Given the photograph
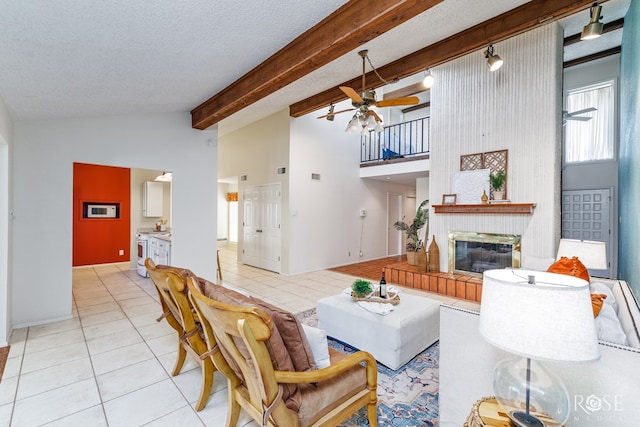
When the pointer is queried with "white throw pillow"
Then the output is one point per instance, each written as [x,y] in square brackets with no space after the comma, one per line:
[602,288]
[318,342]
[609,327]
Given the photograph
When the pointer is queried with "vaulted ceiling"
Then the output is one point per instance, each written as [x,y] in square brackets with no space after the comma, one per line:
[68,59]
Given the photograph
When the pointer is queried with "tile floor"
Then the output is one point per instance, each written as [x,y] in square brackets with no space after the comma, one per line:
[110,364]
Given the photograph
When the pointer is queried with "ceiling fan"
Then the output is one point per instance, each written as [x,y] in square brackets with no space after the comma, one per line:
[576,115]
[362,101]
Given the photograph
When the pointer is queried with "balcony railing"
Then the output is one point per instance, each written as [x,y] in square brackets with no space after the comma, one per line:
[396,141]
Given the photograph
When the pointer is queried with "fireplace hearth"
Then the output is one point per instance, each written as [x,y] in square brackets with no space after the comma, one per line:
[472,253]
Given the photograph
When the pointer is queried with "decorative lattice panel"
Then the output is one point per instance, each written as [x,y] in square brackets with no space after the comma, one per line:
[471,162]
[495,161]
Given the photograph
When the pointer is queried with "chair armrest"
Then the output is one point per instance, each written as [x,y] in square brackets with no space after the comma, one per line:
[344,365]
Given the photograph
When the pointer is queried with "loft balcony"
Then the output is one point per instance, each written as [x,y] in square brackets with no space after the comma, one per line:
[407,140]
[400,152]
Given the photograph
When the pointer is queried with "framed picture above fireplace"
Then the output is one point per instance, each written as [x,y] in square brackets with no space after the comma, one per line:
[472,253]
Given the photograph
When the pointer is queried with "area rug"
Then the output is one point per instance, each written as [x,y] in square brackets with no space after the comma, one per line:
[407,397]
[4,353]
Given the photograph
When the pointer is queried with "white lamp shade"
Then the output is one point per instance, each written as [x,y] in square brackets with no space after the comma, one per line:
[550,320]
[590,253]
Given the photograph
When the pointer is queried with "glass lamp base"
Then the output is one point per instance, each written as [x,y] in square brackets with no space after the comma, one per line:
[522,419]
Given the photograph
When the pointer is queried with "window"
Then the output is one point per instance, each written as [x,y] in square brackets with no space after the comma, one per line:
[593,139]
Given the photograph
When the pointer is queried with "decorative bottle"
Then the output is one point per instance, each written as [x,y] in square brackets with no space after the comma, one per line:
[434,256]
[383,286]
[422,259]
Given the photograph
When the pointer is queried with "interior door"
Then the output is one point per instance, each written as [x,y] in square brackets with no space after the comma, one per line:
[586,215]
[250,227]
[270,227]
[394,214]
[262,219]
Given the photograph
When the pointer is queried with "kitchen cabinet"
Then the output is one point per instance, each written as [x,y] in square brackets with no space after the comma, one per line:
[152,202]
[160,251]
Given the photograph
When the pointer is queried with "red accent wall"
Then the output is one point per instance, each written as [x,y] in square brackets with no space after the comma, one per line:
[99,240]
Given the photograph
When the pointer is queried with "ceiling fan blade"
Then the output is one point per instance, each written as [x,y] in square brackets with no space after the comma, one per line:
[355,97]
[578,118]
[586,110]
[336,112]
[409,100]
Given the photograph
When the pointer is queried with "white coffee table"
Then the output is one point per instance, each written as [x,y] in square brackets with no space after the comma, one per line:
[394,339]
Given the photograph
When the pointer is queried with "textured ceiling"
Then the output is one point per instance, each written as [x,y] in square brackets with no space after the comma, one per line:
[72,58]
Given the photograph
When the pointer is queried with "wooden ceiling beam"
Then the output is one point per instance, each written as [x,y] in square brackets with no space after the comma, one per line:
[350,26]
[405,91]
[598,55]
[516,21]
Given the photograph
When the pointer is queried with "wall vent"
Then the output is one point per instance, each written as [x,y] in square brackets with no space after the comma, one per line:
[315,176]
[243,178]
[281,171]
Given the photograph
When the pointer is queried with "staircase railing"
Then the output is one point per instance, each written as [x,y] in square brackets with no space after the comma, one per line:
[396,141]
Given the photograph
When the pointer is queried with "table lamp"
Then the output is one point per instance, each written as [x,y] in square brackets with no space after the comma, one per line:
[538,316]
[590,253]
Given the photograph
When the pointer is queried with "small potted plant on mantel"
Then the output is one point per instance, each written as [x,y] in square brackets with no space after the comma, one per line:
[413,237]
[497,181]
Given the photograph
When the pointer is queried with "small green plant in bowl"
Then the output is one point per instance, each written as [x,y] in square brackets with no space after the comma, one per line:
[361,288]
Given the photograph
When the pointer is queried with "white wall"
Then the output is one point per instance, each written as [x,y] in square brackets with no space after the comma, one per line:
[326,229]
[257,151]
[6,144]
[44,152]
[223,211]
[518,108]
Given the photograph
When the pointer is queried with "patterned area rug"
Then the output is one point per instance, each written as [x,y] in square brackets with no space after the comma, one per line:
[407,397]
[4,353]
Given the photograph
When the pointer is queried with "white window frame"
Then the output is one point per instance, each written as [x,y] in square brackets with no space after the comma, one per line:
[614,132]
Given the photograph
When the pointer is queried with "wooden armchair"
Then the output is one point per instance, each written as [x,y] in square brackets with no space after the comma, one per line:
[171,284]
[247,337]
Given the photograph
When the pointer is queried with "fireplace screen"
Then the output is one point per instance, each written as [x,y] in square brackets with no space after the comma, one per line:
[473,253]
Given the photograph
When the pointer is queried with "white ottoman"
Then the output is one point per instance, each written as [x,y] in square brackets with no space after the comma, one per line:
[394,339]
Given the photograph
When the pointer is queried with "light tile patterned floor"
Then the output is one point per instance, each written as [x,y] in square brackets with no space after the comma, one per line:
[110,364]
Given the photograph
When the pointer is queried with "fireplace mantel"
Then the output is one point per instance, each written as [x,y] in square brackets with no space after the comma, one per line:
[491,208]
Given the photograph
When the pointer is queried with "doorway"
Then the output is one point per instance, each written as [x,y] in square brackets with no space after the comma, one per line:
[586,215]
[394,214]
[261,233]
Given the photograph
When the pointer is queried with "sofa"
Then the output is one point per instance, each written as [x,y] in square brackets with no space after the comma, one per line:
[602,393]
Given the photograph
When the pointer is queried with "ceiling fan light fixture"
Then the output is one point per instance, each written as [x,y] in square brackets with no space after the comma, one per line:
[594,28]
[353,125]
[494,62]
[428,79]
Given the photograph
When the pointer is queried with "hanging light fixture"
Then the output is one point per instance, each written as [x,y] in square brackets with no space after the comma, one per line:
[494,61]
[594,28]
[428,80]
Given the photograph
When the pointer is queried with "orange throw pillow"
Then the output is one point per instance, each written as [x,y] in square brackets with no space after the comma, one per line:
[570,267]
[596,302]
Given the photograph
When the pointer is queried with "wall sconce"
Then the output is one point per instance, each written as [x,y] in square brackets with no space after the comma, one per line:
[165,177]
[594,28]
[428,80]
[494,61]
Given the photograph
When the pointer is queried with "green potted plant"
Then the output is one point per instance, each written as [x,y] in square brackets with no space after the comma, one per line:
[412,231]
[497,181]
[361,288]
